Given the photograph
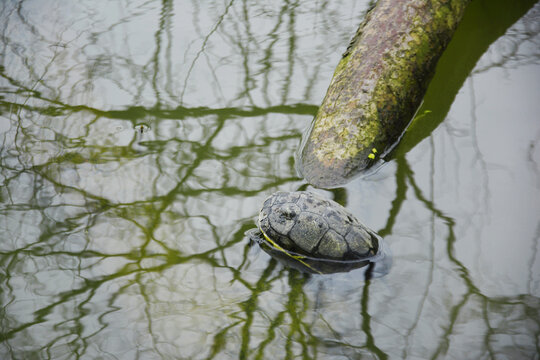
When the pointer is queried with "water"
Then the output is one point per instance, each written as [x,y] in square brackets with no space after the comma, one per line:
[138,140]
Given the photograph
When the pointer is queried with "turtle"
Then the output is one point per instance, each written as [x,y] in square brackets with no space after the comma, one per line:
[314,234]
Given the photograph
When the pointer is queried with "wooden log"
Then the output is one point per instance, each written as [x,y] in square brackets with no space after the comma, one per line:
[377,87]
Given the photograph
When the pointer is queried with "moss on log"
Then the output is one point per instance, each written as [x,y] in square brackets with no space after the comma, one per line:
[377,87]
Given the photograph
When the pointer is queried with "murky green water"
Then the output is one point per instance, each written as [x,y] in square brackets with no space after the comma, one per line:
[139,139]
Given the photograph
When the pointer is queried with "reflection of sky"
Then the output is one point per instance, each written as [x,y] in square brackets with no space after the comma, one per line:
[508,133]
[125,240]
[203,54]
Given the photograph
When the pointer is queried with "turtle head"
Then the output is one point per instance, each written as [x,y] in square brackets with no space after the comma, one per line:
[254,235]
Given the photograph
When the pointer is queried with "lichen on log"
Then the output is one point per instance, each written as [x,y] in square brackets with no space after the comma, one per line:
[377,87]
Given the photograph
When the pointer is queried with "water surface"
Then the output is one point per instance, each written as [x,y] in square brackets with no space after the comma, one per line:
[138,140]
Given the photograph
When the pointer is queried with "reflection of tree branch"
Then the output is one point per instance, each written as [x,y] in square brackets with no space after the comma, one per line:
[250,306]
[147,312]
[445,338]
[180,161]
[136,113]
[173,257]
[268,53]
[472,290]
[490,331]
[432,252]
[534,255]
[296,308]
[220,340]
[366,321]
[444,343]
[164,23]
[291,50]
[402,171]
[476,32]
[245,51]
[509,51]
[203,46]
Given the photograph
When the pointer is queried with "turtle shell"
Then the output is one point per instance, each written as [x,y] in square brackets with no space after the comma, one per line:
[306,224]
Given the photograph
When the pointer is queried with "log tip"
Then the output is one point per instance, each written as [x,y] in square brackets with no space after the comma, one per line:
[333,172]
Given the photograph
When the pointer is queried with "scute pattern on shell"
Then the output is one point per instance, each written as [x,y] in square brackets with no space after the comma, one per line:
[305,223]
